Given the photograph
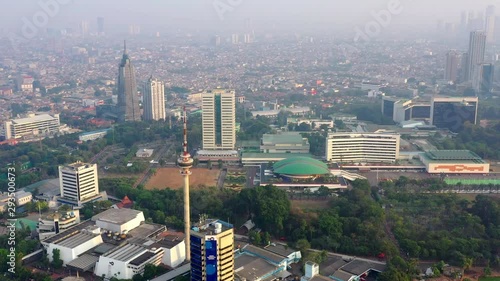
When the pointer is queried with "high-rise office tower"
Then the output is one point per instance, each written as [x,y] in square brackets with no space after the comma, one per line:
[78,182]
[453,112]
[128,102]
[212,251]
[154,100]
[100,25]
[451,69]
[219,119]
[477,48]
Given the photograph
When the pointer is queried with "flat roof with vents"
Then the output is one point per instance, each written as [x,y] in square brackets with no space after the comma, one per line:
[453,155]
[116,216]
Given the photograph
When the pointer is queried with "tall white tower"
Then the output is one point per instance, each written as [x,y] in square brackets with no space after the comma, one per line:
[219,119]
[185,162]
[154,100]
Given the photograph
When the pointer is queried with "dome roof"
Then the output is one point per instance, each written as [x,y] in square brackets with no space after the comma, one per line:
[300,166]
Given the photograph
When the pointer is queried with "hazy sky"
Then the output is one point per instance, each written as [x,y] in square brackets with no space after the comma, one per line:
[202,14]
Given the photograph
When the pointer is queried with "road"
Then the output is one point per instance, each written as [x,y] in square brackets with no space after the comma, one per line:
[145,175]
[373,175]
[220,180]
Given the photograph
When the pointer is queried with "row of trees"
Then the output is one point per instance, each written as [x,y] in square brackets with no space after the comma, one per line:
[483,141]
[445,227]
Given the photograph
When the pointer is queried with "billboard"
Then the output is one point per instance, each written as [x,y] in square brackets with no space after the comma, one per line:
[211,258]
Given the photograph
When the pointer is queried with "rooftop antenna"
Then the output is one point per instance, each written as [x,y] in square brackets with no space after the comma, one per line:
[184,145]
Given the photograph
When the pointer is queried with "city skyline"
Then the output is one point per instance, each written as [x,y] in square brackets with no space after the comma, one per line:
[223,15]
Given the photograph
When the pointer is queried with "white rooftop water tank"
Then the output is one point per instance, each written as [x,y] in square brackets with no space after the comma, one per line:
[218,227]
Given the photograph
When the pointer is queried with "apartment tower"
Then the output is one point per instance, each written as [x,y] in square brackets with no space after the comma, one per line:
[154,100]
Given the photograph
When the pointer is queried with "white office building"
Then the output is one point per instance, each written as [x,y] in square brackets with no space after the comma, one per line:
[78,182]
[219,119]
[154,100]
[362,147]
[32,126]
[127,260]
[119,220]
[73,242]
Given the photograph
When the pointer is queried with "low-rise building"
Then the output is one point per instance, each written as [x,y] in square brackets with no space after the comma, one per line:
[119,220]
[144,153]
[54,223]
[174,249]
[454,162]
[284,143]
[22,197]
[32,126]
[94,135]
[73,242]
[128,259]
[362,147]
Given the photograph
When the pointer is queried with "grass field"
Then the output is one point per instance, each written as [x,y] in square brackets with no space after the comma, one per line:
[171,178]
[489,279]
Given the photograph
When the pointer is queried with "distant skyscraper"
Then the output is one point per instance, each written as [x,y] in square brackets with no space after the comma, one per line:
[247,38]
[154,100]
[464,19]
[128,103]
[476,22]
[100,25]
[235,39]
[477,48]
[84,28]
[219,119]
[490,24]
[490,10]
[451,69]
[134,29]
[217,40]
